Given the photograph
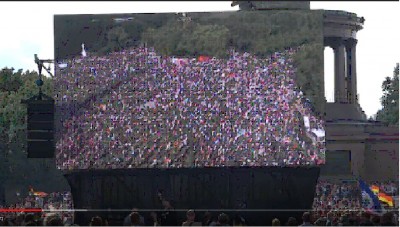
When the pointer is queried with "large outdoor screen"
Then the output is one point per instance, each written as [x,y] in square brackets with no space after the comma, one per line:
[172,90]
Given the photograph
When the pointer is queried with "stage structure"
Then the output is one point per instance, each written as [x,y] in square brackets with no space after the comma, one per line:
[259,194]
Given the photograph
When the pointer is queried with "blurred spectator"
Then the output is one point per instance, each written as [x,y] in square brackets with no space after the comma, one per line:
[387,220]
[190,219]
[306,219]
[276,222]
[168,216]
[365,219]
[291,222]
[223,220]
[208,219]
[135,219]
[127,219]
[96,221]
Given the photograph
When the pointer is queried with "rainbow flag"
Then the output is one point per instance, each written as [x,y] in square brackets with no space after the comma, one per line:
[370,201]
[40,194]
[385,198]
[375,189]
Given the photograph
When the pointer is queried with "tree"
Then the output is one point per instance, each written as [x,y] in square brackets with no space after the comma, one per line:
[390,99]
[117,39]
[10,81]
[16,170]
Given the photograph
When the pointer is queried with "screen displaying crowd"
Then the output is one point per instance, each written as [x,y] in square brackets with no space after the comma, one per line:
[136,108]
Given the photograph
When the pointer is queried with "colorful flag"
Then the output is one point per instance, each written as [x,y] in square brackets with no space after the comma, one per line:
[375,189]
[40,194]
[370,201]
[385,198]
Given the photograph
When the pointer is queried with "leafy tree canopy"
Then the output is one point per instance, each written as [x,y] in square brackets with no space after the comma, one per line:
[390,99]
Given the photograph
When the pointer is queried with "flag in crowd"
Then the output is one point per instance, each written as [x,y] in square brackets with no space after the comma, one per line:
[385,199]
[370,201]
[375,189]
[37,193]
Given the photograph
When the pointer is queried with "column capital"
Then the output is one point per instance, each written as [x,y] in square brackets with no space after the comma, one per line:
[334,42]
[350,43]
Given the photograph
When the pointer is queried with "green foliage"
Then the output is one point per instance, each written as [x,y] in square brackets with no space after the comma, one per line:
[117,39]
[247,31]
[390,99]
[15,166]
[10,81]
[310,75]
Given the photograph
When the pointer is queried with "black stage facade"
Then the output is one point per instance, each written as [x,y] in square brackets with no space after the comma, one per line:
[251,191]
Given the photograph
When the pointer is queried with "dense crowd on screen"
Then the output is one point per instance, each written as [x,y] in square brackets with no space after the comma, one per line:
[334,204]
[160,111]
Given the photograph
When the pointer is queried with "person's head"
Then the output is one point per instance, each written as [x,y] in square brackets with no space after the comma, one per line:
[276,222]
[330,215]
[96,221]
[344,219]
[375,219]
[387,219]
[306,217]
[320,222]
[365,216]
[54,221]
[31,224]
[291,222]
[29,218]
[135,218]
[190,215]
[166,204]
[223,219]
[20,218]
[207,215]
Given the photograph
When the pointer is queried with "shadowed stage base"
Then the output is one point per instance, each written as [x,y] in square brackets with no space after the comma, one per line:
[251,191]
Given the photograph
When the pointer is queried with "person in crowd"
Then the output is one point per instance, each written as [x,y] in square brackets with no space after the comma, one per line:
[29,219]
[54,220]
[127,219]
[168,216]
[96,221]
[190,219]
[223,220]
[375,220]
[387,219]
[291,221]
[365,219]
[276,222]
[135,219]
[306,219]
[208,219]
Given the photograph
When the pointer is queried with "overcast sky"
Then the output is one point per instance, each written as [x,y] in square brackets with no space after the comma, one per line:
[27,28]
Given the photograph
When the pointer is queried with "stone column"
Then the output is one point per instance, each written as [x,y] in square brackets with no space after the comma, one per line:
[340,69]
[351,69]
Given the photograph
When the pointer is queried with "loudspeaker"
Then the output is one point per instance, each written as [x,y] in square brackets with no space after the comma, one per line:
[40,133]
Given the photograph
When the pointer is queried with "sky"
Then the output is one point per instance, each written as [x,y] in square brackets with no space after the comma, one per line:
[27,29]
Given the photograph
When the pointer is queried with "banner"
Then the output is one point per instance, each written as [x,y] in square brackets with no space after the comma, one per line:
[385,198]
[370,201]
